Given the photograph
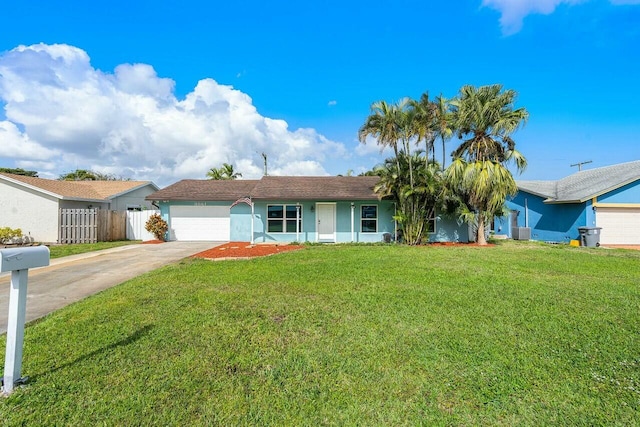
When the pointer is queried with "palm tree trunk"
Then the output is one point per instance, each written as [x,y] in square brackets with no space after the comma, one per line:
[480,239]
[443,153]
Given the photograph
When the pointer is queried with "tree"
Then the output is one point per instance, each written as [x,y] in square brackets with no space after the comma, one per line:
[486,117]
[443,123]
[415,202]
[225,172]
[19,171]
[89,175]
[383,124]
[425,123]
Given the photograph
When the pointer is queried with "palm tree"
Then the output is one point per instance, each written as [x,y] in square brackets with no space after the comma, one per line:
[443,122]
[415,202]
[225,172]
[383,124]
[425,124]
[486,117]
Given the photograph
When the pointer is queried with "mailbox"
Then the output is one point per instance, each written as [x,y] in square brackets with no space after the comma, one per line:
[23,258]
[18,261]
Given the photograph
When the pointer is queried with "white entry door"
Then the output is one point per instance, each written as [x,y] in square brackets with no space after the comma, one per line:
[326,219]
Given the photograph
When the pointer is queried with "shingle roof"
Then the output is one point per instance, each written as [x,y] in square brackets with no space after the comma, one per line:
[201,190]
[272,188]
[78,190]
[316,188]
[584,185]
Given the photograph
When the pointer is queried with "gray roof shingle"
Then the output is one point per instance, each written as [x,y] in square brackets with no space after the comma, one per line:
[205,190]
[285,188]
[584,185]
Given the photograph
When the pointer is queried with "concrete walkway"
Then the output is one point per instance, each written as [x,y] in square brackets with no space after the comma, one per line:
[75,277]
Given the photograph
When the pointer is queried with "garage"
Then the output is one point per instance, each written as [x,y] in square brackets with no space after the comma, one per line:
[620,226]
[197,223]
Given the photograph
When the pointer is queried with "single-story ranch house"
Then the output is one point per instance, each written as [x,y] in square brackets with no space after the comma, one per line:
[286,209]
[33,204]
[606,197]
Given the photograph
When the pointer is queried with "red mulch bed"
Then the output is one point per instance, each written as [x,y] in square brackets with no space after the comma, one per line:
[152,242]
[244,250]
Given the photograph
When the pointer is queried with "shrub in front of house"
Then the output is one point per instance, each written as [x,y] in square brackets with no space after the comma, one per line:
[157,226]
[9,235]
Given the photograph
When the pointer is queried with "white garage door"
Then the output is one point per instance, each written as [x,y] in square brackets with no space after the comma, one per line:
[191,223]
[619,225]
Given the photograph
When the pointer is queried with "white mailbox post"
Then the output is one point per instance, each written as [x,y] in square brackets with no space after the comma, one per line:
[18,261]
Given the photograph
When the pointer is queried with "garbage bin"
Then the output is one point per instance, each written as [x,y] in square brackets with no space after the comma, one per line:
[589,236]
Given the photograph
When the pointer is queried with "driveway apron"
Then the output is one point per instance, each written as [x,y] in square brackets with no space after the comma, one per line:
[73,278]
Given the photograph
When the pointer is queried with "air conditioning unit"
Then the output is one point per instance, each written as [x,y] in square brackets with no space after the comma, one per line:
[521,233]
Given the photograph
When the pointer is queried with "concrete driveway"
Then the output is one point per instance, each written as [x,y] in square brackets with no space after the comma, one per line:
[73,278]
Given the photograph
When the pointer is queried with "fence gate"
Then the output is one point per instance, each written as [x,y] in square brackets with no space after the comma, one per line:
[136,221]
[78,226]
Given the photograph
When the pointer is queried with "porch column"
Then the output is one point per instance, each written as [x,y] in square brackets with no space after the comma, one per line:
[353,208]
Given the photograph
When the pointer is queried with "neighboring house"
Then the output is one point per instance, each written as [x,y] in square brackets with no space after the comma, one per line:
[607,197]
[284,209]
[32,204]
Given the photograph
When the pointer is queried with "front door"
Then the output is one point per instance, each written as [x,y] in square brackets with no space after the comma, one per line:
[326,222]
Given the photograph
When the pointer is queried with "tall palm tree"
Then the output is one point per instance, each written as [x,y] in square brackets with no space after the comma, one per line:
[425,124]
[485,118]
[383,124]
[443,122]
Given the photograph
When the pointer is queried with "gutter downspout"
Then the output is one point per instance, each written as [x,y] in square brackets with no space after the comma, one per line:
[526,213]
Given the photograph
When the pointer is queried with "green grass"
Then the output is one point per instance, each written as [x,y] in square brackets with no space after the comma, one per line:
[58,251]
[516,334]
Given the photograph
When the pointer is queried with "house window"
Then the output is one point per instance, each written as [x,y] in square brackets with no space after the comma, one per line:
[431,222]
[282,218]
[369,219]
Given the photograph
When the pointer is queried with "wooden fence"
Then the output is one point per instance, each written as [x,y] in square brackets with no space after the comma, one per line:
[91,225]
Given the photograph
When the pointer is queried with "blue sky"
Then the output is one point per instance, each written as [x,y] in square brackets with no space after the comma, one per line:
[165,90]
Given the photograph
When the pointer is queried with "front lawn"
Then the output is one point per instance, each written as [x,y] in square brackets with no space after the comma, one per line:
[516,334]
[58,251]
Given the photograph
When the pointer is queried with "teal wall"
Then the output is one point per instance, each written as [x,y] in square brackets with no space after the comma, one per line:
[308,232]
[447,228]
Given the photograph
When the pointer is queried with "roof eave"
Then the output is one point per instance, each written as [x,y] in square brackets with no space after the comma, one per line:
[137,187]
[31,187]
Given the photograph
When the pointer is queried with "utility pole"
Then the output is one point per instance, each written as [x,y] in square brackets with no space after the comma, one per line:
[264,156]
[579,165]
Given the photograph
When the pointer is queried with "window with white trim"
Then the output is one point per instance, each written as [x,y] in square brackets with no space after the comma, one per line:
[369,218]
[282,218]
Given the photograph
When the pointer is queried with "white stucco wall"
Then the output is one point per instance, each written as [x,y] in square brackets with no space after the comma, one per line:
[36,214]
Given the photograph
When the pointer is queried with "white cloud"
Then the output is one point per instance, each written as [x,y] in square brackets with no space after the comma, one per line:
[17,145]
[61,111]
[514,11]
[332,103]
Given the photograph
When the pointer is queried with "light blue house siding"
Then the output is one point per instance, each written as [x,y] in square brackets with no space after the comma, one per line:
[448,229]
[345,229]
